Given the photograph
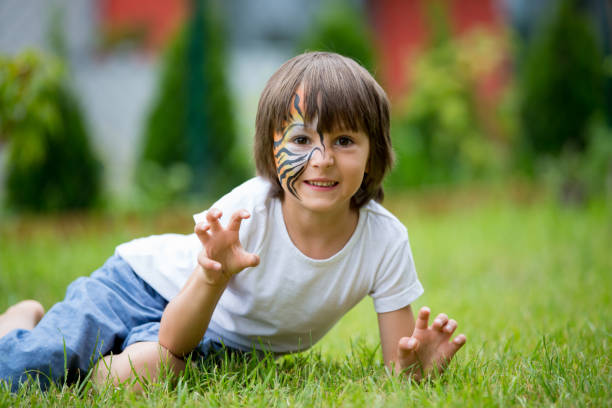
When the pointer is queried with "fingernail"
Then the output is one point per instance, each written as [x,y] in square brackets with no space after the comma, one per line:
[411,343]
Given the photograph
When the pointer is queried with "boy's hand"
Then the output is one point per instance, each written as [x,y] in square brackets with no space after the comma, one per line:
[429,349]
[222,255]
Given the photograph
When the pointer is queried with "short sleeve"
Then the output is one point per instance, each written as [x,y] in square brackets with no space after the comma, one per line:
[249,195]
[252,196]
[396,284]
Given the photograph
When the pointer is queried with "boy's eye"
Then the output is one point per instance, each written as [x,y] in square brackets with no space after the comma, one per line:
[300,140]
[344,141]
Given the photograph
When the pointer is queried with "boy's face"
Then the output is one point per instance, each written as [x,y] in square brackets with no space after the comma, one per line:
[320,170]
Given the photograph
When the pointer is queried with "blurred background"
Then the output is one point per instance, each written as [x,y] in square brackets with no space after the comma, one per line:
[132,104]
[121,118]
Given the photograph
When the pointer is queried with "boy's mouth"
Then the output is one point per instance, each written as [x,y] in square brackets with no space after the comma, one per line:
[321,183]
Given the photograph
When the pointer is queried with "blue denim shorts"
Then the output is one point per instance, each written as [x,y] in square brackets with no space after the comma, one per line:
[101,314]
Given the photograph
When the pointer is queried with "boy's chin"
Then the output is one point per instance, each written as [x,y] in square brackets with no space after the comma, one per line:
[322,205]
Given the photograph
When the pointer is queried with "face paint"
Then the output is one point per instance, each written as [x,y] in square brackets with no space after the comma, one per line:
[294,146]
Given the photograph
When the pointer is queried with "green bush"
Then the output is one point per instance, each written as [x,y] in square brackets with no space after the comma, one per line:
[190,136]
[50,163]
[437,132]
[561,83]
[343,29]
[576,177]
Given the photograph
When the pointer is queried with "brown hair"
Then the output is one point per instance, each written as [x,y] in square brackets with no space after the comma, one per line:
[345,97]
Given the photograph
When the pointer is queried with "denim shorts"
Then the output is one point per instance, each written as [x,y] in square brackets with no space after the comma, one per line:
[101,314]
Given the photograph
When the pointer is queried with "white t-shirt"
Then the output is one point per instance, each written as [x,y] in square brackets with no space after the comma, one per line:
[289,301]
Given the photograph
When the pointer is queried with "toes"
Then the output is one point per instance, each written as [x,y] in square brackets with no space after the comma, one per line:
[440,321]
[423,318]
[450,327]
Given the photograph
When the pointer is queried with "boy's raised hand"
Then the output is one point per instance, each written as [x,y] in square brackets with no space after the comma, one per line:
[222,255]
[429,349]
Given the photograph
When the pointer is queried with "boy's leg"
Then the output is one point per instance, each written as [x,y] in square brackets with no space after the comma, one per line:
[92,321]
[23,315]
[139,361]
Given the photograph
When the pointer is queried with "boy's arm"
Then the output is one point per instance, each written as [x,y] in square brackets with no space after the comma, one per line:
[187,316]
[414,348]
[393,326]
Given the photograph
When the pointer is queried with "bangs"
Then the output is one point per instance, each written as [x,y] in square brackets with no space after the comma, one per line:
[335,93]
[339,101]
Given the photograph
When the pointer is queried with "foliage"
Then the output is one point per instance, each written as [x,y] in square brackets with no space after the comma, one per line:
[50,162]
[562,99]
[528,283]
[577,176]
[343,29]
[438,133]
[172,161]
[561,83]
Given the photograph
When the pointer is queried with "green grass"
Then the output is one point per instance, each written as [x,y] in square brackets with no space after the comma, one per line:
[529,282]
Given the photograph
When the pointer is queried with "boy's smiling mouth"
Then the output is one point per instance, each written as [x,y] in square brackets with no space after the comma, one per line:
[321,183]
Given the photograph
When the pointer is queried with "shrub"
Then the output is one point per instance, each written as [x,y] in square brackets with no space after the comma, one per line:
[575,176]
[437,132]
[191,132]
[561,83]
[50,163]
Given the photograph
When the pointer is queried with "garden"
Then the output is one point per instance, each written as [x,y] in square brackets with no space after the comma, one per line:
[508,209]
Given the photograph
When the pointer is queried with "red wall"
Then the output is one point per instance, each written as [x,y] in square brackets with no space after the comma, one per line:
[159,18]
[401,32]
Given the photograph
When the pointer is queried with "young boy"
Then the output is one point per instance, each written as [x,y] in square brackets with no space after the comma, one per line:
[317,242]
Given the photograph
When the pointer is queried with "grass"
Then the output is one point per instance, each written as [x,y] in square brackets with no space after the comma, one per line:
[529,281]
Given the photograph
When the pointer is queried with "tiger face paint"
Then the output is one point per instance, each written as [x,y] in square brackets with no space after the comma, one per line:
[295,145]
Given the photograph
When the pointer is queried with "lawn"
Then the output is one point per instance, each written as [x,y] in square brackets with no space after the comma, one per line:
[528,280]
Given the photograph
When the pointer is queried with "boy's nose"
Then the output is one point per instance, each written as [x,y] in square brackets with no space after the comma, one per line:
[322,158]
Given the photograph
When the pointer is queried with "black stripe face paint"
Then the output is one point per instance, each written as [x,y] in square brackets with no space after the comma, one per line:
[295,145]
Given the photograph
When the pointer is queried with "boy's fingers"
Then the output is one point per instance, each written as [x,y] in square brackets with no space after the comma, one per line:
[201,230]
[248,260]
[207,263]
[423,318]
[212,216]
[406,349]
[408,345]
[450,327]
[456,344]
[460,340]
[253,260]
[440,321]
[237,217]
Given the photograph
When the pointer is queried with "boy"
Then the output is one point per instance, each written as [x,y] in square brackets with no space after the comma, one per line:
[317,242]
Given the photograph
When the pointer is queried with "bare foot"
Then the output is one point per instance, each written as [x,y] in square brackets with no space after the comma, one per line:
[429,349]
[23,315]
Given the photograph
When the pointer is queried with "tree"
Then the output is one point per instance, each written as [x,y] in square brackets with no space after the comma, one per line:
[50,162]
[191,130]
